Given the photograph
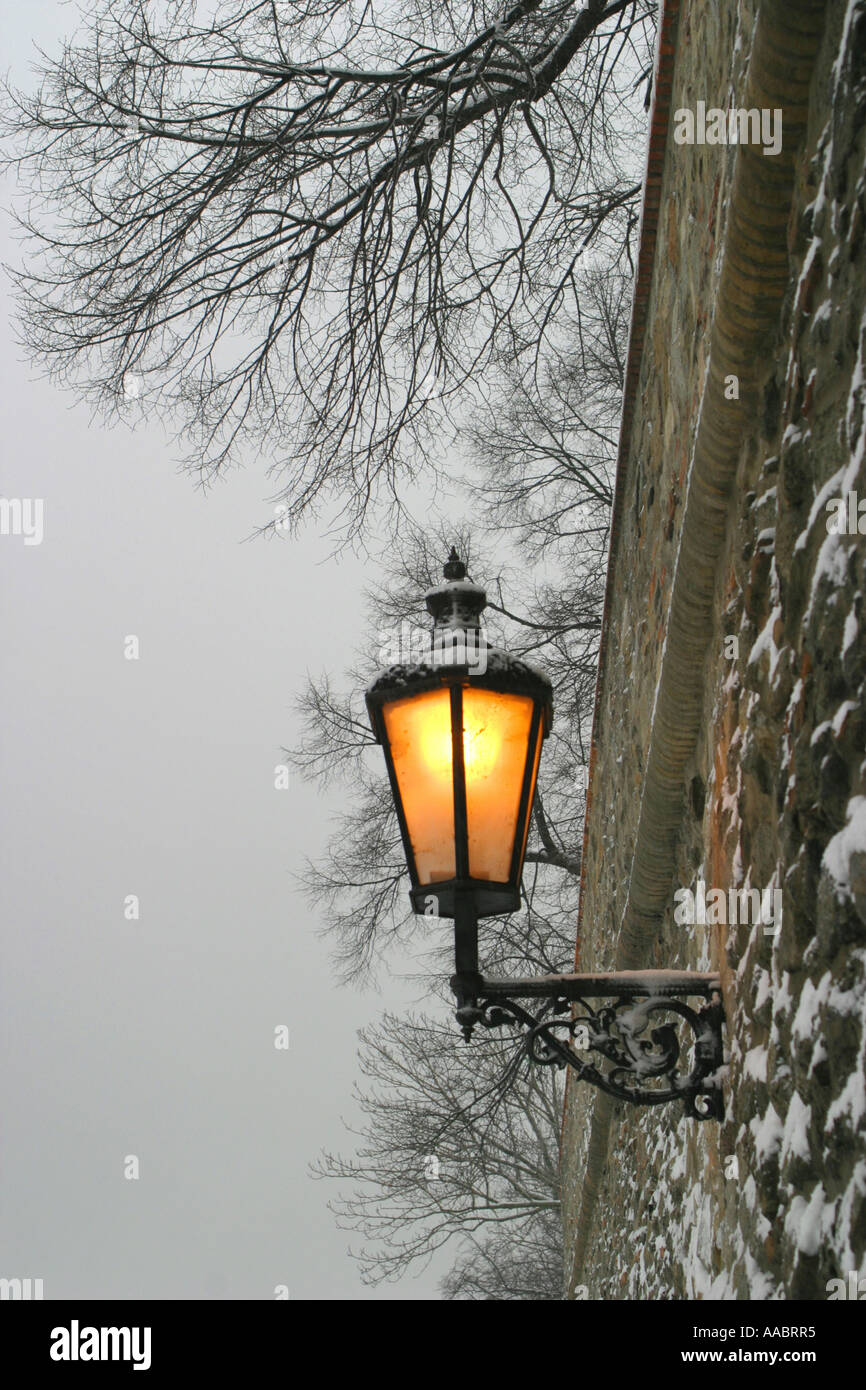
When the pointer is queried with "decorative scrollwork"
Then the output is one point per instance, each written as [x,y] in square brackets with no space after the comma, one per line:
[647,1066]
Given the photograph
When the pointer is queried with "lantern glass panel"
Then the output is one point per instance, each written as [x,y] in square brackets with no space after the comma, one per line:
[419,734]
[495,749]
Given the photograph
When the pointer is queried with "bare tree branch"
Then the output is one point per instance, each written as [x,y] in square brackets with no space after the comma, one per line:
[314,230]
[456,1142]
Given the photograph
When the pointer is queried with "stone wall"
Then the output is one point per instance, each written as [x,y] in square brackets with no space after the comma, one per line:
[772,1202]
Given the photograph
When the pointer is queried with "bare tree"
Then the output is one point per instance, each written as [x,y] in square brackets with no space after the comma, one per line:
[513,1265]
[313,224]
[457,1142]
[546,443]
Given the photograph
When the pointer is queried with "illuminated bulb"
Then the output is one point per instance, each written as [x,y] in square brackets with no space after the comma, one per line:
[436,746]
[481,745]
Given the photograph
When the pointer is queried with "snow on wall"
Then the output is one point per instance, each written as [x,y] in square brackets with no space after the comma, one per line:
[772,1203]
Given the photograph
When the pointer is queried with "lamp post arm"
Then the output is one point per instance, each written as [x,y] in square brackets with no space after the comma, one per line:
[631,984]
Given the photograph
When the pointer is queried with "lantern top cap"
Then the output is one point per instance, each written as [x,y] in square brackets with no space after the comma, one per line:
[458,650]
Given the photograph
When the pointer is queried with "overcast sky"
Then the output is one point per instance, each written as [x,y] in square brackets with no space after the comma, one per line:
[155,777]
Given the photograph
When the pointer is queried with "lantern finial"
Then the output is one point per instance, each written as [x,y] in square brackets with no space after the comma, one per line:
[454,567]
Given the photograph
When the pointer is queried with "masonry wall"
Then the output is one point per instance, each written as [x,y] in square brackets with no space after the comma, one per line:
[772,1202]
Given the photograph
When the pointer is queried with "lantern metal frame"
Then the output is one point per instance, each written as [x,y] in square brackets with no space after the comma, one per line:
[629,1018]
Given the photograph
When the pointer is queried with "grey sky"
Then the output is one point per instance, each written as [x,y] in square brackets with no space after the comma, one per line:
[155,777]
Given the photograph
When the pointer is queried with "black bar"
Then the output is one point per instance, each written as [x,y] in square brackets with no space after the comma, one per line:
[210,1341]
[461,823]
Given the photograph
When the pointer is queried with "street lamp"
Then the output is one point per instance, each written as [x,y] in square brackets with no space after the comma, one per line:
[462,732]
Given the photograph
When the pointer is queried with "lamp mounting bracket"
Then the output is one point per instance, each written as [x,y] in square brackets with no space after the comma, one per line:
[631,1019]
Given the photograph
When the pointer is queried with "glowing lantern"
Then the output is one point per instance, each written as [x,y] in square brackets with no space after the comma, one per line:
[462,734]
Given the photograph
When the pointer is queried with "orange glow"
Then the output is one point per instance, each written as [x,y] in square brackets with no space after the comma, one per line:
[419,733]
[482,741]
[495,749]
[496,743]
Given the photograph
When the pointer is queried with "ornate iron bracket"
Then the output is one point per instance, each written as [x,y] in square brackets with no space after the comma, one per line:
[648,1065]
